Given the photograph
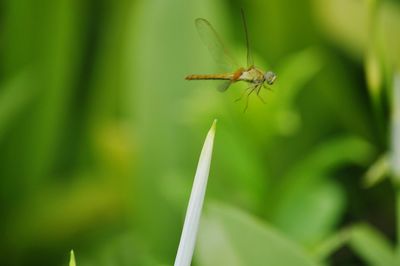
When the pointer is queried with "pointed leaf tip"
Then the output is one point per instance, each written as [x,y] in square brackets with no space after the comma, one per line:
[214,124]
[72,258]
[193,212]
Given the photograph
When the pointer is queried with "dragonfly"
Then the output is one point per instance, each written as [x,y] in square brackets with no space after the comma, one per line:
[254,76]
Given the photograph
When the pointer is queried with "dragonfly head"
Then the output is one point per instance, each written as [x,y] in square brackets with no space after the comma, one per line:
[270,77]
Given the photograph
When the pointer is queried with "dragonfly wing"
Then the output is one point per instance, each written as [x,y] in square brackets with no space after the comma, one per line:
[214,44]
[250,61]
[224,86]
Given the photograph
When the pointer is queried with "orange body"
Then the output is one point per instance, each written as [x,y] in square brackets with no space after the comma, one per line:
[226,76]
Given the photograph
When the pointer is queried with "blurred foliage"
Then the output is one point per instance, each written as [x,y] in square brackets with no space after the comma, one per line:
[220,236]
[100,133]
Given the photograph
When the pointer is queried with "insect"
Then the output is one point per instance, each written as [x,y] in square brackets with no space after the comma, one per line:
[250,74]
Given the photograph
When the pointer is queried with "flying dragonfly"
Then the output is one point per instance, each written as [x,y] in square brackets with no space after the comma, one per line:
[250,74]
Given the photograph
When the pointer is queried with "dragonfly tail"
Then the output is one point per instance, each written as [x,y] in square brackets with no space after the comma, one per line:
[210,77]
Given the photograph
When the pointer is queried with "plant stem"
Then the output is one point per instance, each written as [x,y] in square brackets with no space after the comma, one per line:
[395,151]
[398,221]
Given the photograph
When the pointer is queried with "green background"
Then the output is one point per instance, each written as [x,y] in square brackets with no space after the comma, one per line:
[100,134]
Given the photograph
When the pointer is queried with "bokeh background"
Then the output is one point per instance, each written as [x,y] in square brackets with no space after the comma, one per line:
[100,134]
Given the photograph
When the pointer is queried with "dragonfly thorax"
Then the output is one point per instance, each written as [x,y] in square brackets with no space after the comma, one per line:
[252,75]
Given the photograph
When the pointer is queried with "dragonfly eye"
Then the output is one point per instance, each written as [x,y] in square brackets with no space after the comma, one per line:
[270,77]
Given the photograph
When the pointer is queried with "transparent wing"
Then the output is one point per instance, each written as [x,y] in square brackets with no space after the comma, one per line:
[224,86]
[250,61]
[214,44]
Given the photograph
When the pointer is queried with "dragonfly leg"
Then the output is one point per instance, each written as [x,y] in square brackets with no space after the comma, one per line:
[258,93]
[247,97]
[267,87]
[243,93]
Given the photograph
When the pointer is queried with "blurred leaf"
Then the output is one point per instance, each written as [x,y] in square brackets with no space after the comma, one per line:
[296,70]
[245,168]
[229,236]
[14,97]
[18,33]
[241,177]
[345,22]
[293,73]
[372,246]
[305,189]
[366,241]
[61,212]
[351,23]
[374,76]
[389,33]
[312,213]
[325,158]
[327,247]
[372,63]
[109,90]
[53,59]
[395,130]
[377,172]
[121,249]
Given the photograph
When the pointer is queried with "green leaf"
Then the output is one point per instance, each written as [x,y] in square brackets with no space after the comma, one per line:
[395,130]
[293,73]
[332,243]
[195,205]
[377,172]
[307,205]
[15,95]
[229,236]
[372,246]
[312,213]
[72,259]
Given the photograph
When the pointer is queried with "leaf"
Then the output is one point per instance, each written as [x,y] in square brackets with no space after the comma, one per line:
[229,236]
[377,172]
[293,73]
[344,22]
[307,205]
[312,213]
[195,205]
[72,259]
[374,77]
[395,130]
[296,70]
[332,243]
[15,95]
[372,246]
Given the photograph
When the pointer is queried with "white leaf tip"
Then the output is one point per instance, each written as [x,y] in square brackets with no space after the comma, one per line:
[72,258]
[214,124]
[193,212]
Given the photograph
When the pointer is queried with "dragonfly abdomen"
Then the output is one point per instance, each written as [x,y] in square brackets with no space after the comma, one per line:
[210,76]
